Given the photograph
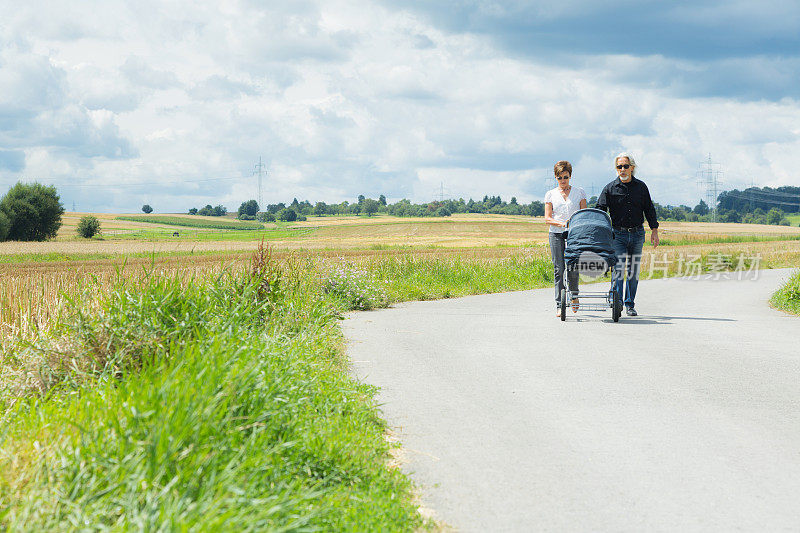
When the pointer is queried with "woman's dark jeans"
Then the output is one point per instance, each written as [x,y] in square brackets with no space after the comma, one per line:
[557,243]
[628,248]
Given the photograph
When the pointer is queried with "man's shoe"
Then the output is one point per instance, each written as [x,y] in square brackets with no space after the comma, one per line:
[630,311]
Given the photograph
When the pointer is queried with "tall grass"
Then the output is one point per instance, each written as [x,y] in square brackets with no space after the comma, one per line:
[199,403]
[787,298]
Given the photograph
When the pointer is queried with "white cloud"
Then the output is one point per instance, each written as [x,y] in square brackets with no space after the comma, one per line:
[345,98]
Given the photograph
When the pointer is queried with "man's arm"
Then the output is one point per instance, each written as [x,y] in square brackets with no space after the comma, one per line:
[602,200]
[650,214]
[649,208]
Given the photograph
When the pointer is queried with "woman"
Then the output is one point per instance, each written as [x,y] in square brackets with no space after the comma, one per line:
[559,204]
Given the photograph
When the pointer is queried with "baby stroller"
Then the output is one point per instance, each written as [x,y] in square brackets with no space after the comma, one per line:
[589,250]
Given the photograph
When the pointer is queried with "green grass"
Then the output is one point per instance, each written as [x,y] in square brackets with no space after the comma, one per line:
[195,223]
[268,234]
[724,239]
[787,298]
[217,404]
[794,220]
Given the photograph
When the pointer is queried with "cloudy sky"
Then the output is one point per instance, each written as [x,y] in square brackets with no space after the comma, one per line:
[172,102]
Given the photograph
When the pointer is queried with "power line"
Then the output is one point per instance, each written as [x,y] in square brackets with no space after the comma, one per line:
[762,200]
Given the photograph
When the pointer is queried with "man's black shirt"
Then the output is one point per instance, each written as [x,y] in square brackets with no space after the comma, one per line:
[628,203]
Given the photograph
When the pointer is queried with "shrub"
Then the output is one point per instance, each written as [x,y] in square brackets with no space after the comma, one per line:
[88,227]
[33,212]
[147,209]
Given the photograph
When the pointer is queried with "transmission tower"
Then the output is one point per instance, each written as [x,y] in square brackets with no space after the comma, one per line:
[260,171]
[709,175]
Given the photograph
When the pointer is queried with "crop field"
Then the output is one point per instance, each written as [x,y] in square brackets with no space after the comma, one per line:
[136,338]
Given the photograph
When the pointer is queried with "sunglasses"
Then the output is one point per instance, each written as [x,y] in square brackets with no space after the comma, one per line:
[563,178]
[620,167]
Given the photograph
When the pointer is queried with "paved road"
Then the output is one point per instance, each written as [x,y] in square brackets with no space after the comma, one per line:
[684,418]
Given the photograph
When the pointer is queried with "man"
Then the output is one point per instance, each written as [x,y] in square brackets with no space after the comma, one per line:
[627,200]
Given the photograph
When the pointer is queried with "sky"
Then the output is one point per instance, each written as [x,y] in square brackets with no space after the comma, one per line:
[172,103]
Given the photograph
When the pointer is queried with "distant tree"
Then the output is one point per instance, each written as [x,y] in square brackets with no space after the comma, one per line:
[147,209]
[320,209]
[361,199]
[370,206]
[5,224]
[249,208]
[774,216]
[592,202]
[266,217]
[536,209]
[193,211]
[287,215]
[220,211]
[382,200]
[88,227]
[701,208]
[33,212]
[355,209]
[206,211]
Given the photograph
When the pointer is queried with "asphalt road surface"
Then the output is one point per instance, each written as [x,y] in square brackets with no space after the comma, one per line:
[685,418]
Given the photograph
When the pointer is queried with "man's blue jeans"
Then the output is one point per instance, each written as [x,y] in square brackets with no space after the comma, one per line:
[628,248]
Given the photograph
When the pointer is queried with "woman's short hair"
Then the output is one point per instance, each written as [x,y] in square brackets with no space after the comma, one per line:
[631,160]
[561,166]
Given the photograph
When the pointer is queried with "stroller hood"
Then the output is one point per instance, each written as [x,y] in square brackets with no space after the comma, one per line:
[589,231]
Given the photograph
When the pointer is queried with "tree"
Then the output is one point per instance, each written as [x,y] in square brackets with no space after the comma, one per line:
[206,211]
[320,209]
[193,211]
[382,200]
[220,211]
[5,224]
[33,212]
[361,199]
[249,208]
[774,216]
[287,215]
[370,206]
[89,226]
[701,208]
[147,209]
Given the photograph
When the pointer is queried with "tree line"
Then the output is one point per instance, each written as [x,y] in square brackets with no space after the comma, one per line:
[300,210]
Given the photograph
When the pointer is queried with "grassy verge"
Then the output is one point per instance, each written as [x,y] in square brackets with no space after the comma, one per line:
[787,298]
[216,402]
[200,404]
